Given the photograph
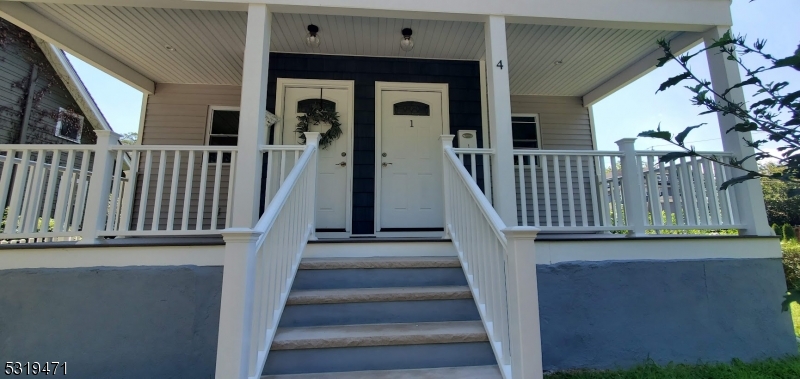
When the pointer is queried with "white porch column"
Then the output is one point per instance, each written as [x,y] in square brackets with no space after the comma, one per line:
[252,133]
[99,187]
[748,195]
[503,185]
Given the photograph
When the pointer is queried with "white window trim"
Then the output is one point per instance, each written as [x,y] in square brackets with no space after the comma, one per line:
[538,129]
[58,134]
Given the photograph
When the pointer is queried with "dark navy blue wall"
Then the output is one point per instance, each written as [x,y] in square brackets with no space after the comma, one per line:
[462,77]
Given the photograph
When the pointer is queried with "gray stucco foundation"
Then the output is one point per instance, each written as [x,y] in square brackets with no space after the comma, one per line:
[619,314]
[133,322]
[161,322]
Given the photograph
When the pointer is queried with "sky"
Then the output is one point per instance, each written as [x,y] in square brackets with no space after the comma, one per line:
[624,114]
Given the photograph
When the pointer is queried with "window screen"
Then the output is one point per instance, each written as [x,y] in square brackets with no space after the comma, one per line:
[69,125]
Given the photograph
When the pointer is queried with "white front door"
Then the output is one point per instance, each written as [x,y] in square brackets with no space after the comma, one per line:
[411,160]
[333,184]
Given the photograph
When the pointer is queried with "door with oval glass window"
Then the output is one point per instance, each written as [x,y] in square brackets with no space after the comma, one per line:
[411,161]
[334,167]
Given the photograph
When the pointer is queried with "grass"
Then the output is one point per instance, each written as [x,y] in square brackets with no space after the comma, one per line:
[796,318]
[787,368]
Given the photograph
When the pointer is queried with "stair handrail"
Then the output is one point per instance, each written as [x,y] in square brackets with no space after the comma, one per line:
[500,265]
[260,266]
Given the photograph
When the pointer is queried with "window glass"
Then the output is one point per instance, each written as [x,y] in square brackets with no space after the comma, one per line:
[412,108]
[525,132]
[224,132]
[305,106]
[69,125]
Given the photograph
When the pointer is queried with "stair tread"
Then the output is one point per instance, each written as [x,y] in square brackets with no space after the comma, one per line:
[361,295]
[467,372]
[378,262]
[319,337]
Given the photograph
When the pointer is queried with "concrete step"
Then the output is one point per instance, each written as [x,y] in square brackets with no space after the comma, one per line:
[325,337]
[378,262]
[379,306]
[469,372]
[361,295]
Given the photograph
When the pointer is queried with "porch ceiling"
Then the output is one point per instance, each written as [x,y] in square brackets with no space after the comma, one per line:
[209,44]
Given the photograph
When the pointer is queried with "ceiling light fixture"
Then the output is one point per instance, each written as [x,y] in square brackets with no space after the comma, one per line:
[406,43]
[312,39]
[170,48]
[558,62]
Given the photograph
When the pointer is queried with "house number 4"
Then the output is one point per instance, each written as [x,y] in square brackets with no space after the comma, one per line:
[500,64]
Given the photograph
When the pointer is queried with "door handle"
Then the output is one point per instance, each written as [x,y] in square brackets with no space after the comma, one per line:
[385,164]
[341,164]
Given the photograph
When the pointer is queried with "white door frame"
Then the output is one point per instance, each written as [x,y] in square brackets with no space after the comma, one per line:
[410,87]
[349,85]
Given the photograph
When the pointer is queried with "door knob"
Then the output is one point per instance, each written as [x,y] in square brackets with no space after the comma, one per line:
[341,164]
[385,164]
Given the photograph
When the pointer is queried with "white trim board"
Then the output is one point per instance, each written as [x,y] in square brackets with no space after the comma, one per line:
[349,86]
[112,256]
[379,249]
[552,252]
[442,88]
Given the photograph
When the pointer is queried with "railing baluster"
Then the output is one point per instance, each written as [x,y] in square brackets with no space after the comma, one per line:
[582,192]
[283,167]
[724,201]
[62,202]
[268,186]
[162,167]
[203,187]
[148,165]
[687,191]
[678,199]
[80,192]
[570,193]
[711,193]
[231,178]
[522,189]
[534,190]
[32,196]
[616,195]
[5,177]
[173,190]
[699,191]
[187,192]
[559,200]
[51,188]
[668,206]
[653,196]
[115,190]
[593,184]
[217,183]
[127,213]
[487,179]
[546,186]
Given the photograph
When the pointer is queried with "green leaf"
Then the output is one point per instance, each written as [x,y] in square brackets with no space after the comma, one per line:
[737,180]
[724,40]
[665,135]
[663,60]
[682,135]
[673,81]
[790,61]
[669,157]
[744,127]
[766,102]
[788,99]
[753,80]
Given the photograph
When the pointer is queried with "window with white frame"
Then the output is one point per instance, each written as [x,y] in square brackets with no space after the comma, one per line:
[223,130]
[69,125]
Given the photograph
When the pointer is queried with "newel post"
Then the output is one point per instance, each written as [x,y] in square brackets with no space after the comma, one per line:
[99,187]
[447,143]
[236,305]
[523,303]
[632,185]
[312,139]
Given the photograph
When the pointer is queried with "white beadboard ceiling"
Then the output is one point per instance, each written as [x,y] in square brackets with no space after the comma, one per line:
[209,45]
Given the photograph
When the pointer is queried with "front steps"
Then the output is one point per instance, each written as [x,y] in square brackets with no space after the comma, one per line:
[387,317]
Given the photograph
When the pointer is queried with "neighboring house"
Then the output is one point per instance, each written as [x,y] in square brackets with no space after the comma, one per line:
[382,243]
[42,100]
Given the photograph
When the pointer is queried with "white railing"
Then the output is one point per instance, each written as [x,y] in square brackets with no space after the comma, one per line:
[684,193]
[177,190]
[260,265]
[502,283]
[478,163]
[567,190]
[279,161]
[43,190]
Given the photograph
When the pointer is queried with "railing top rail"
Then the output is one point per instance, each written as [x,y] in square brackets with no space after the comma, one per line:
[663,152]
[3,158]
[486,208]
[267,219]
[45,147]
[224,149]
[566,152]
[473,151]
[264,148]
